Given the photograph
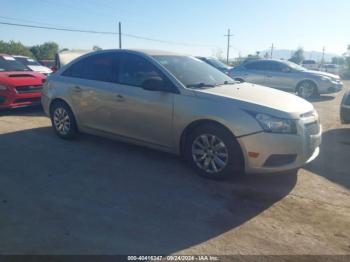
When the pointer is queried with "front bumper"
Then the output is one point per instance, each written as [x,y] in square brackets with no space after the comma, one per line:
[345,114]
[330,87]
[288,151]
[11,99]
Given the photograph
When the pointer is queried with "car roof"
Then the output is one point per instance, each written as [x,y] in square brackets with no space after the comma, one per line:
[265,60]
[154,52]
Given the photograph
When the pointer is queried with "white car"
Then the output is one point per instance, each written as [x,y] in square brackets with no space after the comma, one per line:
[310,64]
[33,64]
[330,68]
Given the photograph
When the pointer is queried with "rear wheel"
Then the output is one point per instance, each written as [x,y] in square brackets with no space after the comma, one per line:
[307,89]
[214,153]
[63,120]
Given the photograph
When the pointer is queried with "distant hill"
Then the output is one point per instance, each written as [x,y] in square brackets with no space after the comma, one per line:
[286,54]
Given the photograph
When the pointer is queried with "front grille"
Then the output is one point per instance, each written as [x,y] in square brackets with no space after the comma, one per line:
[30,99]
[28,89]
[280,160]
[312,128]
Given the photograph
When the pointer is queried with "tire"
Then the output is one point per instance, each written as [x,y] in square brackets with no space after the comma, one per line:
[307,90]
[63,120]
[224,154]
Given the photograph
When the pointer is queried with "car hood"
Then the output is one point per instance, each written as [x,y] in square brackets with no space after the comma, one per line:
[41,69]
[19,78]
[320,73]
[260,99]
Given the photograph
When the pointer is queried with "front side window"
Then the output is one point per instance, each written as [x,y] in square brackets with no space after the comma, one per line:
[99,67]
[193,72]
[135,70]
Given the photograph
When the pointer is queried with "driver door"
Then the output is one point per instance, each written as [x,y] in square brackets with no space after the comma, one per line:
[143,115]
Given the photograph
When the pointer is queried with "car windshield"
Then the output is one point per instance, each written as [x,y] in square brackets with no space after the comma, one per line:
[8,63]
[217,63]
[27,61]
[295,66]
[193,72]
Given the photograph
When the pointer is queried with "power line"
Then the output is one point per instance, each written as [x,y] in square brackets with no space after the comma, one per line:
[56,28]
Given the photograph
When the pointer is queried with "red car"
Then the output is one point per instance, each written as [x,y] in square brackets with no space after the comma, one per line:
[19,86]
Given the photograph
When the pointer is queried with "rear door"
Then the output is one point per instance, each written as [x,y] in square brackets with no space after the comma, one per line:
[93,88]
[254,73]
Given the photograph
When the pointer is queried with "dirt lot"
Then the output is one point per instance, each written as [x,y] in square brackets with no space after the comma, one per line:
[97,196]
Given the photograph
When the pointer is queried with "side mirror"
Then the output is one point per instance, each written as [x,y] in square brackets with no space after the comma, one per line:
[154,84]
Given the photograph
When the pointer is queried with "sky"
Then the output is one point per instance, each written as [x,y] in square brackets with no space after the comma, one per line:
[195,27]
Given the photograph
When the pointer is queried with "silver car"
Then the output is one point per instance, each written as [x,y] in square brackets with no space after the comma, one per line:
[180,104]
[287,76]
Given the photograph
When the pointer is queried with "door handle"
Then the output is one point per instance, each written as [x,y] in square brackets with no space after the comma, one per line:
[78,89]
[119,97]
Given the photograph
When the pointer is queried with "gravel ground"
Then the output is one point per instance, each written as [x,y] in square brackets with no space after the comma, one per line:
[97,196]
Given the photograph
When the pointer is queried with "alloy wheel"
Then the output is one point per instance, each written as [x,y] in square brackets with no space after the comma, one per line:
[209,153]
[306,90]
[61,121]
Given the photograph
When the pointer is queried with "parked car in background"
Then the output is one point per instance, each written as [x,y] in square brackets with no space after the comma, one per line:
[180,104]
[287,76]
[216,63]
[48,63]
[65,57]
[310,64]
[330,68]
[19,86]
[33,64]
[345,108]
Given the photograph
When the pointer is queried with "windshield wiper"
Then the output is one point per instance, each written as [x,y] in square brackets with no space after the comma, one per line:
[200,85]
[227,83]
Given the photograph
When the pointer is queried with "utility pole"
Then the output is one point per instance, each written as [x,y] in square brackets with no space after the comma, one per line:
[228,44]
[271,51]
[120,35]
[323,50]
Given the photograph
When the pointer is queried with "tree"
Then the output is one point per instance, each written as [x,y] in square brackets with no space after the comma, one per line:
[96,48]
[14,48]
[298,56]
[47,50]
[338,60]
[218,53]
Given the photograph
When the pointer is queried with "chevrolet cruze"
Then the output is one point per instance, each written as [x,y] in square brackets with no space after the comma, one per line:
[180,104]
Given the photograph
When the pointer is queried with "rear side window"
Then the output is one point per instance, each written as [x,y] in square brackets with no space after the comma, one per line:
[135,70]
[259,65]
[100,67]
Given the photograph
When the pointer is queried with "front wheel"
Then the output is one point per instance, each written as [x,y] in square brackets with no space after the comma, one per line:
[307,90]
[214,152]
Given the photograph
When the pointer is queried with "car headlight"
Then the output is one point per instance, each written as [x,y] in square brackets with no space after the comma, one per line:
[3,88]
[326,78]
[276,125]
